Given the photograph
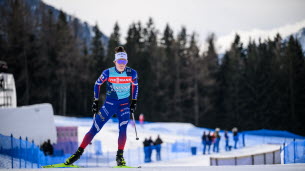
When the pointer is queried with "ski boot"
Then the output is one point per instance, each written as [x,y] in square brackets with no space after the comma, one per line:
[120,159]
[75,156]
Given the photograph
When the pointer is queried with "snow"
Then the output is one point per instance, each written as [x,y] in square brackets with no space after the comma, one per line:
[169,132]
[287,167]
[204,160]
[36,122]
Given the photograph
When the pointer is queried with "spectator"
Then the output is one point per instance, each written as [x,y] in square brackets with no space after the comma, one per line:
[216,140]
[141,119]
[204,140]
[227,147]
[146,150]
[150,142]
[47,148]
[235,136]
[213,140]
[209,142]
[157,144]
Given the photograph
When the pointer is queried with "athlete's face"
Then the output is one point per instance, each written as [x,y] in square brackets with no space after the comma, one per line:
[120,64]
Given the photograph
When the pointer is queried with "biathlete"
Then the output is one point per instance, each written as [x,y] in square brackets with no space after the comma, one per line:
[120,79]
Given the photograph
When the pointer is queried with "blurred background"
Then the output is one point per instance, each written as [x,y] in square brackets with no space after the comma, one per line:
[210,63]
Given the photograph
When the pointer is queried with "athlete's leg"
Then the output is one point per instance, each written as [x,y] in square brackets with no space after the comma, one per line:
[123,117]
[99,121]
[123,114]
[106,111]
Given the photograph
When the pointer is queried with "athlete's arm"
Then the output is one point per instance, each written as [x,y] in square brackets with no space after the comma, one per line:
[103,78]
[134,85]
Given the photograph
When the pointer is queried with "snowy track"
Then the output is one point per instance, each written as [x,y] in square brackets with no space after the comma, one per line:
[288,167]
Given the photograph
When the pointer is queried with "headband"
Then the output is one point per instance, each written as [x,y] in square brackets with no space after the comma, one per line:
[120,55]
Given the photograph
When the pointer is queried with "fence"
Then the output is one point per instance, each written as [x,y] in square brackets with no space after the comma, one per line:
[294,152]
[272,157]
[19,153]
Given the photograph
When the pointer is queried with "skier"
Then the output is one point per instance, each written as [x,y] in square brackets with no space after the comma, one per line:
[119,80]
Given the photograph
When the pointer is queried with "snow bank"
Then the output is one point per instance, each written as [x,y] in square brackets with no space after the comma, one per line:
[35,122]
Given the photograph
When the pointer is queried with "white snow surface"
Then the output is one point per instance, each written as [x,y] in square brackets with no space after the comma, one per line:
[36,122]
[204,160]
[287,167]
[169,132]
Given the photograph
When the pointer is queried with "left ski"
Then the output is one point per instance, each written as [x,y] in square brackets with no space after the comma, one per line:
[126,167]
[60,165]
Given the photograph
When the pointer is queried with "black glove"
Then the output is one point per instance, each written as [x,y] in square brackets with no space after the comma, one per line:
[95,106]
[133,106]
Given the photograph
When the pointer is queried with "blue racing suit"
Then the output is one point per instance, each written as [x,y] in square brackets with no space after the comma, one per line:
[118,92]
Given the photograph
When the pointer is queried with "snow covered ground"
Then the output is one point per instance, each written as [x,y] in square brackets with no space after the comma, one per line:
[36,122]
[204,160]
[169,132]
[288,167]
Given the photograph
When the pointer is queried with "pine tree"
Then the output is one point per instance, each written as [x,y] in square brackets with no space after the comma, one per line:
[208,77]
[168,61]
[295,73]
[114,41]
[97,53]
[194,75]
[18,30]
[230,71]
[180,62]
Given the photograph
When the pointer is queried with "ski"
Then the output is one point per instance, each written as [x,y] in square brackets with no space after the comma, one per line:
[126,167]
[60,165]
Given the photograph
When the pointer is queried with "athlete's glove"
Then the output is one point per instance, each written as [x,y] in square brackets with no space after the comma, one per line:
[95,106]
[133,106]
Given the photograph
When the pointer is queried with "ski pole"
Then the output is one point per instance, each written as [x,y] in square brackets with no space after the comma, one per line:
[135,128]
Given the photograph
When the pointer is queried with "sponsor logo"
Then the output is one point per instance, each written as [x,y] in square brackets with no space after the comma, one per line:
[123,123]
[96,126]
[120,80]
[123,104]
[105,110]
[101,116]
[126,108]
[125,113]
[109,103]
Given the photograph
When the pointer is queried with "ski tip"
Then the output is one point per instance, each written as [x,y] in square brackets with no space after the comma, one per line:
[126,167]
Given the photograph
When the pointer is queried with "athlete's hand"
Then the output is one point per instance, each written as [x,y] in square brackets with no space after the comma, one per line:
[133,106]
[95,106]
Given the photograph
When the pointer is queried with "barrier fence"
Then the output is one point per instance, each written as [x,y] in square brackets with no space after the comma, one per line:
[294,152]
[19,153]
[272,157]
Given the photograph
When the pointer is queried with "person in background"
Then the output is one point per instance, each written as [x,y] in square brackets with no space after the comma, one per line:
[151,143]
[216,140]
[227,141]
[141,119]
[235,136]
[209,142]
[146,150]
[204,140]
[157,144]
[47,148]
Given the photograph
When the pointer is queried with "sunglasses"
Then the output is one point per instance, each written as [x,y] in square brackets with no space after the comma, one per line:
[122,61]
